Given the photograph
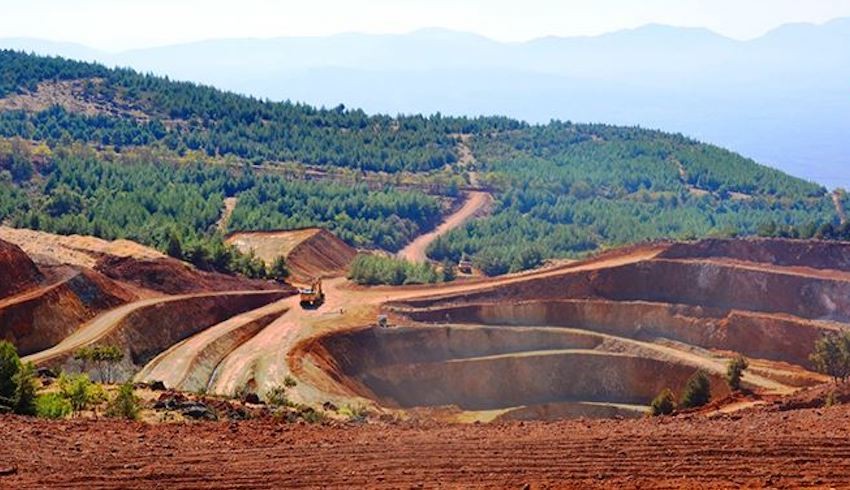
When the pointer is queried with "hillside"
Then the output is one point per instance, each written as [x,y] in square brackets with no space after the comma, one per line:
[778,98]
[117,154]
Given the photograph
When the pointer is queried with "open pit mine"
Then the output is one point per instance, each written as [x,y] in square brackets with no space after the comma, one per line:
[594,338]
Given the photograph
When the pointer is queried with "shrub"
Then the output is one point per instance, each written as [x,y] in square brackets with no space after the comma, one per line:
[311,415]
[125,404]
[276,396]
[10,364]
[449,271]
[354,413]
[79,391]
[663,404]
[52,406]
[831,356]
[697,391]
[17,382]
[104,357]
[831,400]
[289,382]
[25,390]
[278,270]
[735,371]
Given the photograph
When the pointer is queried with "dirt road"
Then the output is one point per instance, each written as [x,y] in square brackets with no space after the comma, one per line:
[103,324]
[266,359]
[476,202]
[839,207]
[803,448]
[189,365]
[226,212]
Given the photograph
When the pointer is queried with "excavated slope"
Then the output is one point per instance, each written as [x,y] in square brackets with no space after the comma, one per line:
[40,318]
[600,338]
[17,271]
[309,253]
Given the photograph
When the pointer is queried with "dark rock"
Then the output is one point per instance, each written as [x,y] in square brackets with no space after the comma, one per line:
[157,386]
[46,373]
[170,401]
[329,407]
[8,470]
[252,398]
[197,411]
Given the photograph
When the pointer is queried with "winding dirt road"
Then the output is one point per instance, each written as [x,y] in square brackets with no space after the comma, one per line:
[476,202]
[103,324]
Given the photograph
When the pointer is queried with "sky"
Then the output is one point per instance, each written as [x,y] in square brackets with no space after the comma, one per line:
[115,25]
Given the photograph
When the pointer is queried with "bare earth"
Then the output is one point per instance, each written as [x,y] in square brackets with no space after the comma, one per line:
[803,448]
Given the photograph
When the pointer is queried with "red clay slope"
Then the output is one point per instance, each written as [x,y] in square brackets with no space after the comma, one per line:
[17,272]
[309,253]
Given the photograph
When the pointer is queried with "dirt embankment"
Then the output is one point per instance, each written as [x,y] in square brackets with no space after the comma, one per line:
[148,327]
[309,253]
[17,271]
[801,253]
[42,317]
[657,312]
[170,276]
[191,364]
[756,449]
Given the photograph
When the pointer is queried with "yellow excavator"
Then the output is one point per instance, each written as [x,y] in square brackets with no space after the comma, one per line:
[312,297]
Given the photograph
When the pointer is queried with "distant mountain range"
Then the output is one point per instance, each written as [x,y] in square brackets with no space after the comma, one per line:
[783,99]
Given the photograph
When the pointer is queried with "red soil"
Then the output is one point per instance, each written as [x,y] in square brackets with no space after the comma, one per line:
[759,448]
[42,317]
[171,276]
[17,271]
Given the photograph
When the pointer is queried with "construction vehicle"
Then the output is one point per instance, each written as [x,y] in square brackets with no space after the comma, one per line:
[465,266]
[312,297]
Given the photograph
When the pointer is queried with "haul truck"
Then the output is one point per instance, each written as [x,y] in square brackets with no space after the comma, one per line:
[312,297]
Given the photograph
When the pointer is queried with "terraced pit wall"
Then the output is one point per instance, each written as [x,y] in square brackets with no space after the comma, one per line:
[146,332]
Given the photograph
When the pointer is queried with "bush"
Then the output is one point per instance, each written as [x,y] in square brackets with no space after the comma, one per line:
[10,365]
[354,413]
[663,404]
[449,271]
[79,391]
[697,391]
[278,270]
[735,371]
[832,356]
[17,382]
[276,396]
[52,406]
[26,390]
[125,404]
[104,357]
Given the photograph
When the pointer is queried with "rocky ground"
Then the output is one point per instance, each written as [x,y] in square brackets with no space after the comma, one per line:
[764,447]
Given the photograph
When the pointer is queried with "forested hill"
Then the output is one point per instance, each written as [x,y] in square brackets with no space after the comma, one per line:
[115,153]
[122,107]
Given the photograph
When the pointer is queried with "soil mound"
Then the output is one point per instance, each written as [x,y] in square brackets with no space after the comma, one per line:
[309,253]
[19,273]
[78,250]
[171,276]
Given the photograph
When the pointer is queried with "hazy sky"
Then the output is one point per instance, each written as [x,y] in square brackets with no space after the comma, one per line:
[121,24]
